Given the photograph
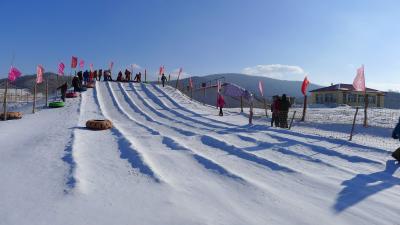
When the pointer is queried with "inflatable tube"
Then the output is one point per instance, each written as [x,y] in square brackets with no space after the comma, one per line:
[83,89]
[56,104]
[90,85]
[12,116]
[72,94]
[99,124]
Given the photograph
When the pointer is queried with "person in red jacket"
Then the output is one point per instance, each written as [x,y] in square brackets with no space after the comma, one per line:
[220,104]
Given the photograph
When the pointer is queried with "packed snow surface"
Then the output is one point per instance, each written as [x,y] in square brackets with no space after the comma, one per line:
[169,160]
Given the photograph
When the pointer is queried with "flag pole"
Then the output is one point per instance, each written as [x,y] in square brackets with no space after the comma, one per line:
[304,108]
[34,97]
[5,102]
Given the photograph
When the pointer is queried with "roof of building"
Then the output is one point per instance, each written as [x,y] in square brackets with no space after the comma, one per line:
[343,87]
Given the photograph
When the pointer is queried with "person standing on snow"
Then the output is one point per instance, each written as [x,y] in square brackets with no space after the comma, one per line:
[220,104]
[284,111]
[275,111]
[163,79]
[63,89]
[76,84]
[396,135]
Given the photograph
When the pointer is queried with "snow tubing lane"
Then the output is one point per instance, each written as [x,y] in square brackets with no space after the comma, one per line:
[12,115]
[99,124]
[56,104]
[72,94]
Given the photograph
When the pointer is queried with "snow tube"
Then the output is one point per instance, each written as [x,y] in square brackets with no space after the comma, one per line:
[83,89]
[99,124]
[90,85]
[12,115]
[56,104]
[72,94]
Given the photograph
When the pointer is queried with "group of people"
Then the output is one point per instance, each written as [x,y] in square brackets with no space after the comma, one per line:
[280,109]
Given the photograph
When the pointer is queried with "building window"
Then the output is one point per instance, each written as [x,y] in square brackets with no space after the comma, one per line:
[361,99]
[319,98]
[352,98]
[330,98]
[372,99]
[344,98]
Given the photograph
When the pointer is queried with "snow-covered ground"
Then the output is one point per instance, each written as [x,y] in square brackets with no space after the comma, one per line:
[172,161]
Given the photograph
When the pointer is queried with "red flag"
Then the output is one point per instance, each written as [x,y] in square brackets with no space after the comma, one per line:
[91,67]
[81,64]
[13,74]
[61,68]
[74,62]
[261,88]
[304,86]
[359,81]
[39,74]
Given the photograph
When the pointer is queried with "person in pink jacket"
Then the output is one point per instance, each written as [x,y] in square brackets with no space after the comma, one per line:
[220,104]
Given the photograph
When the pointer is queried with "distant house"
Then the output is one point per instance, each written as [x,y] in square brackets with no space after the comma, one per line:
[345,94]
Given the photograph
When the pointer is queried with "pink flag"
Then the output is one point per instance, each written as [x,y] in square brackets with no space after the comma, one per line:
[39,74]
[111,65]
[81,64]
[13,74]
[91,66]
[359,81]
[74,62]
[261,88]
[61,68]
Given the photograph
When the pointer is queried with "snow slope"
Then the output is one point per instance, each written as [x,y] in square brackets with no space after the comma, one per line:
[172,161]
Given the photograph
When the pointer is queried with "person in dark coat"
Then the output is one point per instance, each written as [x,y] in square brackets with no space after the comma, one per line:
[396,135]
[80,76]
[119,77]
[76,84]
[99,74]
[139,77]
[85,77]
[63,89]
[127,75]
[275,111]
[163,79]
[284,106]
[95,75]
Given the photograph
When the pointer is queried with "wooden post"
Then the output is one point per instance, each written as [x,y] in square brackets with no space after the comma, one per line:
[365,110]
[291,121]
[34,98]
[176,85]
[47,92]
[5,102]
[304,108]
[241,103]
[265,107]
[169,78]
[27,98]
[191,93]
[145,76]
[251,112]
[352,127]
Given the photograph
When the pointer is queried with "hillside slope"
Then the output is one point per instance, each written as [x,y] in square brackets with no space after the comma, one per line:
[169,160]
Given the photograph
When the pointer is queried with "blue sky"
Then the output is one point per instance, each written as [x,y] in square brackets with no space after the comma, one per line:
[284,39]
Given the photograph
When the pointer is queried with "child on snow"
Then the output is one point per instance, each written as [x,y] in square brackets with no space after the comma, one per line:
[396,135]
[220,104]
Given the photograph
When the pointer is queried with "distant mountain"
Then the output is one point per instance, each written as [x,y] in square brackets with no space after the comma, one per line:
[271,87]
[28,81]
[249,82]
